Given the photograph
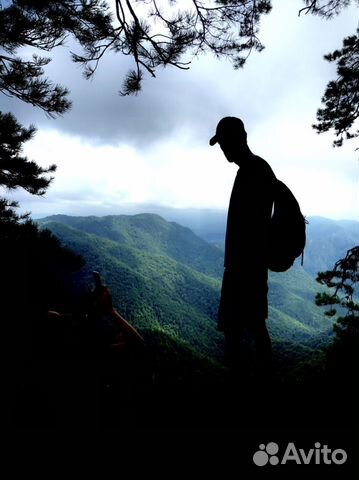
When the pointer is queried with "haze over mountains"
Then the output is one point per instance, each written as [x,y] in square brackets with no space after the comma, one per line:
[165,277]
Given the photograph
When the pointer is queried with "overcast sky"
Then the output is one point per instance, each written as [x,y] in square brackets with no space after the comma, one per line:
[153,148]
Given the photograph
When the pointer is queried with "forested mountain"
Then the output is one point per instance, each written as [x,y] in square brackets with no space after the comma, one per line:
[327,240]
[164,277]
[151,234]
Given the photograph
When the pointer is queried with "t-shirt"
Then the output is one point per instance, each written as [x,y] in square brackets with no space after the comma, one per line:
[248,218]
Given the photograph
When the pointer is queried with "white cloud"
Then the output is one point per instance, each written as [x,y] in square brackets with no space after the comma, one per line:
[100,179]
[154,147]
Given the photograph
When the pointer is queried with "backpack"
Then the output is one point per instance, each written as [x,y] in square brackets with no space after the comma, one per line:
[287,230]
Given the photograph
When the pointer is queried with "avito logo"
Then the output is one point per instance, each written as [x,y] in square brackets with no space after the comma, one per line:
[319,455]
[266,454]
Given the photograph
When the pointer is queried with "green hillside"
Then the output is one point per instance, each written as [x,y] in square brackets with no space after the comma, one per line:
[293,293]
[327,239]
[165,278]
[151,290]
[152,234]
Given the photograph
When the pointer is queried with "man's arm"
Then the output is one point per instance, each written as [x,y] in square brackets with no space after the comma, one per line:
[126,328]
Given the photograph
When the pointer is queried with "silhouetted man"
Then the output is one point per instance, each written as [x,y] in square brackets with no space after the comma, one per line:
[244,308]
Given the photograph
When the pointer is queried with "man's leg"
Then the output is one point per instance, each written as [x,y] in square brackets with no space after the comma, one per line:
[240,352]
[263,349]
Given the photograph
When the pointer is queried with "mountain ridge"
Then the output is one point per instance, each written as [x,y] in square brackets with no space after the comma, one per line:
[167,240]
[327,239]
[158,281]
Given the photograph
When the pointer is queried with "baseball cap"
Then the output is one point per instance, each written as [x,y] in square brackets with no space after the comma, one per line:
[228,126]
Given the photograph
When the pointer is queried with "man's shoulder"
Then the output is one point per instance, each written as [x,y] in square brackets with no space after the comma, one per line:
[261,167]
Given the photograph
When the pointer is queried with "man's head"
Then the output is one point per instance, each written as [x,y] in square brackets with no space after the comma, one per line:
[231,137]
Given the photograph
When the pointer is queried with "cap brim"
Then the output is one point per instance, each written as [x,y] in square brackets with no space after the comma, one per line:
[213,140]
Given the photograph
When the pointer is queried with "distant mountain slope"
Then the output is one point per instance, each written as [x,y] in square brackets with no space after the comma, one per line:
[162,276]
[151,289]
[327,240]
[152,234]
[293,292]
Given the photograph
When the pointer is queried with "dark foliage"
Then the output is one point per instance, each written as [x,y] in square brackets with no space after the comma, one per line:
[44,25]
[342,354]
[34,265]
[153,34]
[341,98]
[157,35]
[325,8]
[16,170]
[343,281]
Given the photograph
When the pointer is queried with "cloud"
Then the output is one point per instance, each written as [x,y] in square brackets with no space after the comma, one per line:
[154,147]
[103,179]
[173,103]
[291,66]
[116,174]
